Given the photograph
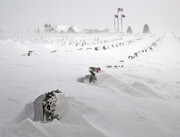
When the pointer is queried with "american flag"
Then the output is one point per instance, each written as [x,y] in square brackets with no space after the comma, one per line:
[115,16]
[119,9]
[123,16]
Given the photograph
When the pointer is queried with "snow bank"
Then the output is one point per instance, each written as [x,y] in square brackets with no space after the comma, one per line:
[140,99]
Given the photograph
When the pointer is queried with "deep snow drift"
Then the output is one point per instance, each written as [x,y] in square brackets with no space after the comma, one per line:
[136,94]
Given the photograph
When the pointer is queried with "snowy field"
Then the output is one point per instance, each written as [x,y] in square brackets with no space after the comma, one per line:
[137,93]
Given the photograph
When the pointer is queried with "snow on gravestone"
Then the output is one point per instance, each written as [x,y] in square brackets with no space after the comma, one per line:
[49,106]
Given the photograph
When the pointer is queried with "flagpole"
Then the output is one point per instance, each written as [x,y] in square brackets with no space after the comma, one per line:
[114,24]
[121,24]
[118,19]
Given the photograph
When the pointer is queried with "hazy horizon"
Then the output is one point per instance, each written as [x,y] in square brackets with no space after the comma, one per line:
[161,16]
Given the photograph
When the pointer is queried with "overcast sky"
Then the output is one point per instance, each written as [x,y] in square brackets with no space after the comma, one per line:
[160,15]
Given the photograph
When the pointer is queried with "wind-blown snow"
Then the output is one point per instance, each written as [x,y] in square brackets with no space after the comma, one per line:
[136,97]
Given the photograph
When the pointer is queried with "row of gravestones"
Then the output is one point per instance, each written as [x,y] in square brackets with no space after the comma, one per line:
[105,47]
[150,48]
[120,44]
[116,66]
[85,42]
[98,48]
[81,42]
[103,42]
[146,50]
[129,41]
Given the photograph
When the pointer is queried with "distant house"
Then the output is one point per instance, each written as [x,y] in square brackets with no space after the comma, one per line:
[67,29]
[96,31]
[48,28]
[52,29]
[73,29]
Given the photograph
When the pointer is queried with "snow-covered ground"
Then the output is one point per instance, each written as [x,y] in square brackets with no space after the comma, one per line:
[137,93]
